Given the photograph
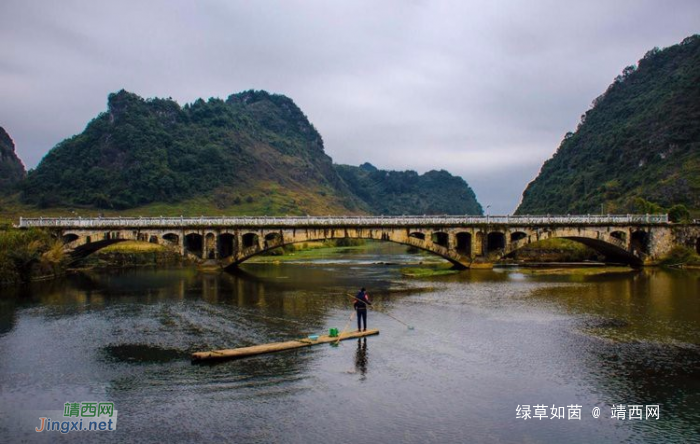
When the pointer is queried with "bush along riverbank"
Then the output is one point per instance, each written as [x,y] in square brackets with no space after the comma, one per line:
[555,250]
[132,254]
[681,257]
[27,255]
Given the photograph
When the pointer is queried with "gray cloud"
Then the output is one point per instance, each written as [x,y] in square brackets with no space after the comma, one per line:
[485,90]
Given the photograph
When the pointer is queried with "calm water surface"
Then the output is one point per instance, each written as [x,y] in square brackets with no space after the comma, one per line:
[484,342]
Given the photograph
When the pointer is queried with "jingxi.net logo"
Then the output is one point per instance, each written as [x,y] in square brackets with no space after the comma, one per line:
[81,417]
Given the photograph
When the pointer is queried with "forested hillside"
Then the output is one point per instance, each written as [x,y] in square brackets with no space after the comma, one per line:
[253,153]
[407,192]
[249,147]
[636,149]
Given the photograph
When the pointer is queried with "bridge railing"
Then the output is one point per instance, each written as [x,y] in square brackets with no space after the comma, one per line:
[331,221]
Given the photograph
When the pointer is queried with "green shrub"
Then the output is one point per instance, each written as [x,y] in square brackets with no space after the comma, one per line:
[679,213]
[681,256]
[25,254]
[348,242]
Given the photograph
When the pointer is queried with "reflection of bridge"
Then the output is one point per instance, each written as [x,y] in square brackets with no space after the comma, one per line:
[465,241]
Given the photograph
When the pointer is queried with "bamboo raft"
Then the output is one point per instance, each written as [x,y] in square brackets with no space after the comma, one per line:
[244,352]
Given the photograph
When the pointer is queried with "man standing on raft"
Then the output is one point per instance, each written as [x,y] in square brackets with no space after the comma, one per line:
[361,303]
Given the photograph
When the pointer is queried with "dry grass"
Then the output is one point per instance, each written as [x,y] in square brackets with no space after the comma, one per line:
[133,247]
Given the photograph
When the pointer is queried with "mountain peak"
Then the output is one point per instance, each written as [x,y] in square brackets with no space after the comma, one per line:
[143,151]
[277,113]
[639,140]
[368,167]
[11,168]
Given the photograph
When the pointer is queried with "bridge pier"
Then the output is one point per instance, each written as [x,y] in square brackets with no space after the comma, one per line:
[209,250]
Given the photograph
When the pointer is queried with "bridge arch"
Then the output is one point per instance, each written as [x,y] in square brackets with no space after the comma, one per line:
[495,241]
[249,240]
[273,238]
[463,243]
[621,235]
[172,238]
[226,245]
[459,261]
[612,247]
[69,238]
[417,235]
[440,238]
[517,235]
[89,247]
[194,243]
[639,241]
[610,251]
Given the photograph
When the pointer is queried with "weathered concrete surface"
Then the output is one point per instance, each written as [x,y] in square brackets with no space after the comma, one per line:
[467,242]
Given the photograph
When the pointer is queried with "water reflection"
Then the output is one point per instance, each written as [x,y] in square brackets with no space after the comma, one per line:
[142,354]
[655,305]
[640,341]
[485,341]
[361,357]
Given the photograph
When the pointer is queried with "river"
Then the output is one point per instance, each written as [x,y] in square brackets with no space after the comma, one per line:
[484,343]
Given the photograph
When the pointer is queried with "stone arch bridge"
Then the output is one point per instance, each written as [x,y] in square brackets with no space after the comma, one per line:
[466,241]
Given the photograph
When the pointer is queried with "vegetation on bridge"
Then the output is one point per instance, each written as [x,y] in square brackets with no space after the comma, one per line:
[640,139]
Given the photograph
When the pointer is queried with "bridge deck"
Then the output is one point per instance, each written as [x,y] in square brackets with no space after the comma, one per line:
[335,221]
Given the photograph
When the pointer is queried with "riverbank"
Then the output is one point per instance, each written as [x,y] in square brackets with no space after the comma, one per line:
[681,257]
[34,255]
[29,255]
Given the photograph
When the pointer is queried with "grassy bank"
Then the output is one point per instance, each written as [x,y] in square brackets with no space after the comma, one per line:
[27,255]
[132,254]
[681,256]
[308,251]
[133,247]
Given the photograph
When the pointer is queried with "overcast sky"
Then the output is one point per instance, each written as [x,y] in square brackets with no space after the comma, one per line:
[485,90]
